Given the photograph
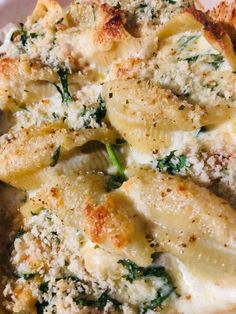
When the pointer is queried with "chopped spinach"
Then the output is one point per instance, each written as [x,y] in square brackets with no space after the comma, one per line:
[40,307]
[170,1]
[28,276]
[22,33]
[162,295]
[44,287]
[142,7]
[190,59]
[114,182]
[117,6]
[97,114]
[217,60]
[120,141]
[34,35]
[24,276]
[100,303]
[72,278]
[101,110]
[55,156]
[64,91]
[20,233]
[57,239]
[172,163]
[55,115]
[136,272]
[186,40]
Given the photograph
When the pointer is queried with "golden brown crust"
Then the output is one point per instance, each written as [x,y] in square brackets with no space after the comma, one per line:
[23,69]
[111,28]
[225,14]
[104,222]
[215,34]
[207,24]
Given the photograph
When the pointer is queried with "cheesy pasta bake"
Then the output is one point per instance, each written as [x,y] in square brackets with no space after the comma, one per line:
[118,159]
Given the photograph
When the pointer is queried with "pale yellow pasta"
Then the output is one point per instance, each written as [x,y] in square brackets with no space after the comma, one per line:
[193,20]
[107,219]
[102,28]
[97,25]
[142,109]
[24,82]
[26,152]
[48,12]
[187,220]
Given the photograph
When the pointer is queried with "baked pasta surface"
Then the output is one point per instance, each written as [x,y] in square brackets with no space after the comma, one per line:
[117,159]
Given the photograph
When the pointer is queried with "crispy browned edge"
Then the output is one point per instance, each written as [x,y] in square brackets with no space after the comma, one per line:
[225,14]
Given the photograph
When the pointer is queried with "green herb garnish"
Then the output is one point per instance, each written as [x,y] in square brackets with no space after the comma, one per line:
[115,161]
[172,163]
[115,181]
[64,91]
[100,303]
[55,156]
